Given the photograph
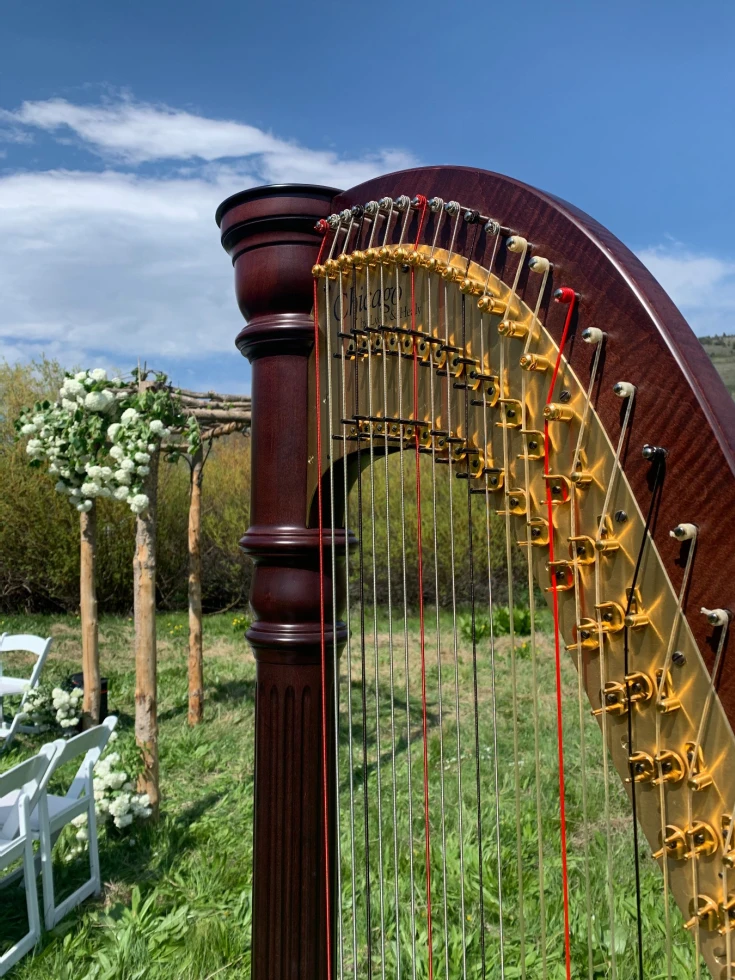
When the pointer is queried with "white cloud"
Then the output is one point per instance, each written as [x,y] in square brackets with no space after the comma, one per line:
[701,285]
[116,265]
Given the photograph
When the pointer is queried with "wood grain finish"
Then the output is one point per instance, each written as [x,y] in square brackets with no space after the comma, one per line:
[269,233]
[681,402]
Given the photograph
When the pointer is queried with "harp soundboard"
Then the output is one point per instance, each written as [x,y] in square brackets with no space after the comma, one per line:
[493,487]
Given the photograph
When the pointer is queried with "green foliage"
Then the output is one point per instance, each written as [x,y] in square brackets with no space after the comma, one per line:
[39,531]
[500,623]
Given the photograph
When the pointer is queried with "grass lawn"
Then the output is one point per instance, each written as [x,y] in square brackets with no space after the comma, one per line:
[176,899]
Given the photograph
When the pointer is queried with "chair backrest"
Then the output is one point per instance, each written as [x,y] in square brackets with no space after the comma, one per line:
[28,643]
[89,744]
[29,777]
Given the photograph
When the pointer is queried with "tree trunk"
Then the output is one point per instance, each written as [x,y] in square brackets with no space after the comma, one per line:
[196,667]
[88,614]
[144,583]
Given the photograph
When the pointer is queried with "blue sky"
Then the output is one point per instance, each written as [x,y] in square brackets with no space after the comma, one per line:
[123,126]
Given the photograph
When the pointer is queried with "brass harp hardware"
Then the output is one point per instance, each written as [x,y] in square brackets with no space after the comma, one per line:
[670,767]
[606,542]
[674,845]
[705,913]
[642,767]
[533,441]
[512,412]
[635,618]
[558,487]
[667,701]
[699,775]
[582,549]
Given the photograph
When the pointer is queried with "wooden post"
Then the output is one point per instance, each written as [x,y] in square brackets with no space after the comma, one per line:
[89,620]
[269,233]
[144,584]
[196,667]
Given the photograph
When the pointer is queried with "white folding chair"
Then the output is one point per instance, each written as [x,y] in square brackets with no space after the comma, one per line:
[22,786]
[53,813]
[39,647]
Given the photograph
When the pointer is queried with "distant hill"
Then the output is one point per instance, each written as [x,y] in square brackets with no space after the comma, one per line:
[722,354]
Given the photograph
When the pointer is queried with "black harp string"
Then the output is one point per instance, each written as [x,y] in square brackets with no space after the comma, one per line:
[660,469]
[471,569]
[363,655]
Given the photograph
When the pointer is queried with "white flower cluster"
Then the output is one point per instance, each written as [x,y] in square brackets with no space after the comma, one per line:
[44,708]
[115,797]
[74,437]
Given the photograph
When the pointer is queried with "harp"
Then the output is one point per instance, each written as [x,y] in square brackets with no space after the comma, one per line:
[468,398]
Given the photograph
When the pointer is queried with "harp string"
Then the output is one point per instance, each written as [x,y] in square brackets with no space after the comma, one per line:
[350,740]
[581,665]
[532,639]
[322,635]
[504,391]
[567,295]
[655,493]
[391,651]
[376,658]
[661,687]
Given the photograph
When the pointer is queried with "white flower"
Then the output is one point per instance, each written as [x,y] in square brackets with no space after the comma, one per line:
[112,737]
[53,469]
[28,429]
[117,381]
[156,426]
[72,388]
[142,458]
[129,415]
[70,406]
[99,401]
[98,374]
[144,470]
[127,464]
[151,447]
[61,487]
[112,430]
[123,477]
[120,493]
[38,420]
[139,503]
[85,507]
[117,452]
[81,376]
[90,489]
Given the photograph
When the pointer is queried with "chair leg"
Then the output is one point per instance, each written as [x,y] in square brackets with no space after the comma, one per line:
[47,868]
[11,957]
[94,854]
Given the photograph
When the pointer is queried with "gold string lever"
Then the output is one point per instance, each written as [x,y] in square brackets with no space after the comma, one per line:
[670,767]
[705,913]
[512,413]
[727,915]
[558,487]
[699,775]
[582,549]
[515,501]
[728,858]
[614,701]
[704,840]
[674,844]
[538,533]
[640,687]
[586,636]
[642,766]
[561,575]
[534,444]
[666,702]
[611,617]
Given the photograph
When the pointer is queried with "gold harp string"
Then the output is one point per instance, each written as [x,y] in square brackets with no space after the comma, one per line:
[406,657]
[532,617]
[603,682]
[376,672]
[581,667]
[391,662]
[487,439]
[662,684]
[503,382]
[449,295]
[335,650]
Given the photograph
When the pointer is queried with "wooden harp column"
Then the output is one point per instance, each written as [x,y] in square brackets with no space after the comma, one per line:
[269,234]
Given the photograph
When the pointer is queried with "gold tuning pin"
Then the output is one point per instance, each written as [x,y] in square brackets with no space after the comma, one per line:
[558,412]
[359,260]
[606,542]
[332,268]
[670,766]
[703,839]
[581,479]
[415,258]
[699,775]
[490,304]
[512,328]
[344,261]
[705,913]
[318,271]
[534,362]
[674,844]
[449,273]
[470,287]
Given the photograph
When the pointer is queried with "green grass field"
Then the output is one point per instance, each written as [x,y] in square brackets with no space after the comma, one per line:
[722,354]
[176,898]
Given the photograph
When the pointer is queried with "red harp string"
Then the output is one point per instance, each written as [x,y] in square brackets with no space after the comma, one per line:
[567,296]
